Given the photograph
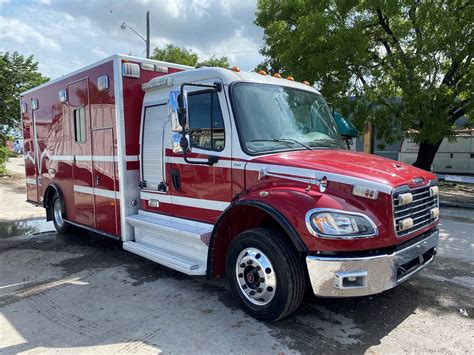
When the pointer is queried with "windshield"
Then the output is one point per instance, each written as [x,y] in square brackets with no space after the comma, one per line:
[273,118]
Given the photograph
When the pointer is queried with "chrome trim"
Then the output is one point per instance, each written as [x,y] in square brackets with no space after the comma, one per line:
[263,172]
[406,188]
[382,270]
[315,233]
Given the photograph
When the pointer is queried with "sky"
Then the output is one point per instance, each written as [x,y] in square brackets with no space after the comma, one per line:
[65,35]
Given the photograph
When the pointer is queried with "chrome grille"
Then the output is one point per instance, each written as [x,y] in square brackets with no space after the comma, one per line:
[419,209]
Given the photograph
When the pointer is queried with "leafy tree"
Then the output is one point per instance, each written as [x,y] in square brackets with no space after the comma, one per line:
[404,65]
[17,74]
[175,55]
[222,62]
[184,56]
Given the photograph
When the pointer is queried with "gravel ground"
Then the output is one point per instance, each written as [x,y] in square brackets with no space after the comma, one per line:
[81,292]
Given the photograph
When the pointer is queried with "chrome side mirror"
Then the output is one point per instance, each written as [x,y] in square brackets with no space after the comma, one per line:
[177,142]
[173,111]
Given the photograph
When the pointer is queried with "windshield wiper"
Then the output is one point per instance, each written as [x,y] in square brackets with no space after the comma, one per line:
[282,140]
[328,143]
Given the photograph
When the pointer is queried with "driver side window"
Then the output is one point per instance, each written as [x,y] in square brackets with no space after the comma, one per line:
[206,125]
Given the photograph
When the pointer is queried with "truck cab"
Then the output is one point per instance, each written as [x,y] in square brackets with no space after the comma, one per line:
[245,175]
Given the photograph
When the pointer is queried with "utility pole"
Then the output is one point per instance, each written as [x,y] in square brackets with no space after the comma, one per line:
[148,34]
[124,26]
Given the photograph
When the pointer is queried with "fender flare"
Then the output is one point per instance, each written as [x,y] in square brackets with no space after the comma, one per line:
[273,212]
[47,192]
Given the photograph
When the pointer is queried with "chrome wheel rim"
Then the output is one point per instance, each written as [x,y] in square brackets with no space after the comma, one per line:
[58,215]
[255,276]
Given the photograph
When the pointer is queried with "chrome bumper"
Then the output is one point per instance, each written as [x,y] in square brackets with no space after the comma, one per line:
[361,276]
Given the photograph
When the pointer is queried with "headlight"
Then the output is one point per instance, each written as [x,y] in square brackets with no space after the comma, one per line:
[337,224]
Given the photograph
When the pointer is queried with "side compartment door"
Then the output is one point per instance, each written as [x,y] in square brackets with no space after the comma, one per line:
[104,161]
[78,97]
[153,168]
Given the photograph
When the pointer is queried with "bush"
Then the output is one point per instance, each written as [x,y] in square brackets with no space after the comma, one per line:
[4,153]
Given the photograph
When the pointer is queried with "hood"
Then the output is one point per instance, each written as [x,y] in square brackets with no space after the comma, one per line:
[351,164]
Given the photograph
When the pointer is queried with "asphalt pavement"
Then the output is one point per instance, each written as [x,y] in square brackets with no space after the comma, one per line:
[81,292]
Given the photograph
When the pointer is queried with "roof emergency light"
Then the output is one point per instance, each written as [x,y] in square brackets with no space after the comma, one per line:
[131,70]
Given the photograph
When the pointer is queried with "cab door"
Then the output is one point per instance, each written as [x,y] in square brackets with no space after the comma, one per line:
[200,191]
[78,98]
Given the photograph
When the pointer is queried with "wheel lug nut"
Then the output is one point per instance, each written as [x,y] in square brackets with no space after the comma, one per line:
[244,286]
[259,290]
[241,275]
[249,262]
[258,268]
[262,279]
[242,265]
[252,293]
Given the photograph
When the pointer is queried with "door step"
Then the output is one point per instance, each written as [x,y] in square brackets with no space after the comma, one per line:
[175,242]
[165,257]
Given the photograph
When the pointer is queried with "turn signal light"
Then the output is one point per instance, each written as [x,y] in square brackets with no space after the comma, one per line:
[262,72]
[365,192]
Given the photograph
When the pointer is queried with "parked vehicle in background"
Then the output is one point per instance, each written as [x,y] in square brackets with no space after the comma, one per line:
[455,157]
[218,172]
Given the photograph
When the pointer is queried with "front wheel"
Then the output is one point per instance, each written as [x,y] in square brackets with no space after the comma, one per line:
[266,277]
[57,213]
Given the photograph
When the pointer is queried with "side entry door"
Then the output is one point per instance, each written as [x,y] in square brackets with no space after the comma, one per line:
[201,191]
[78,97]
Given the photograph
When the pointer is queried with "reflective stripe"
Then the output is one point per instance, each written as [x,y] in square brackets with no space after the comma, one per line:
[94,191]
[31,181]
[186,201]
[131,158]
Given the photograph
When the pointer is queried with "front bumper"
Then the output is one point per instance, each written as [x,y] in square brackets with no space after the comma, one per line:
[361,276]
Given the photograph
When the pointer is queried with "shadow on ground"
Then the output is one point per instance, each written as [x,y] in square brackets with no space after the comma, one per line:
[113,297]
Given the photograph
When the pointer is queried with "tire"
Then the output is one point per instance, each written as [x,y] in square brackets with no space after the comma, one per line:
[60,224]
[265,275]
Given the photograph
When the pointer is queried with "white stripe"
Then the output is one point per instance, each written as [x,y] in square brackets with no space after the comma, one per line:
[186,201]
[155,196]
[31,181]
[179,160]
[61,157]
[131,158]
[316,174]
[108,158]
[94,191]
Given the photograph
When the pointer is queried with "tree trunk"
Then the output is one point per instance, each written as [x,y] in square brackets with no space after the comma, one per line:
[426,155]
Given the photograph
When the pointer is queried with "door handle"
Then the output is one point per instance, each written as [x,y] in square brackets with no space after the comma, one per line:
[97,180]
[74,159]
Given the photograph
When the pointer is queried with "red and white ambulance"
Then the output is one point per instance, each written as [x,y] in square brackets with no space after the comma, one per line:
[218,172]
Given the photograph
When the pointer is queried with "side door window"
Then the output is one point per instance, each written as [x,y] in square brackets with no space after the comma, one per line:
[206,125]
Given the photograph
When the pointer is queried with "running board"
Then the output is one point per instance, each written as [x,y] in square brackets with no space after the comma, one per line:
[178,243]
[166,258]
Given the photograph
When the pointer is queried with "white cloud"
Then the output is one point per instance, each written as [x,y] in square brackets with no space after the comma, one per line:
[18,32]
[66,35]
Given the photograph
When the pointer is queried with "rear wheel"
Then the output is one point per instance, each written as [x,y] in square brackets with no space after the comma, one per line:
[265,275]
[57,213]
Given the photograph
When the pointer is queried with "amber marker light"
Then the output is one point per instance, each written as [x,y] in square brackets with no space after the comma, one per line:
[277,75]
[236,69]
[290,78]
[262,72]
[306,82]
